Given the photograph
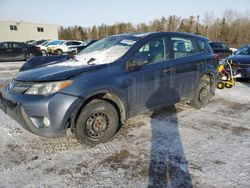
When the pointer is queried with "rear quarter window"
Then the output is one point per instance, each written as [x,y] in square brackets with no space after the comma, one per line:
[201,45]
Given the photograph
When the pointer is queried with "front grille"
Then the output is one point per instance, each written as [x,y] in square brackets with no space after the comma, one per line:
[7,102]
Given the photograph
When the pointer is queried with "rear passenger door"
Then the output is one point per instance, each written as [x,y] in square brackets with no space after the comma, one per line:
[189,63]
[151,85]
[19,50]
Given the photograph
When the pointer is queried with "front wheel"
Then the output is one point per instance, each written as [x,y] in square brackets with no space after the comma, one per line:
[59,52]
[28,56]
[97,123]
[201,95]
[44,53]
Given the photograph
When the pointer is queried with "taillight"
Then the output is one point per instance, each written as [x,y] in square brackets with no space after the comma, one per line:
[38,48]
[216,57]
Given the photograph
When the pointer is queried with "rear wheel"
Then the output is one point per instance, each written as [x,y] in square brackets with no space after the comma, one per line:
[202,94]
[28,56]
[97,123]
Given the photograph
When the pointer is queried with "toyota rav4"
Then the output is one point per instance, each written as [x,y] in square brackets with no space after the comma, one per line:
[110,81]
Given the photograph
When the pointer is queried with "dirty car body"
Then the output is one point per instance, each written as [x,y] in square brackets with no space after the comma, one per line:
[241,60]
[46,98]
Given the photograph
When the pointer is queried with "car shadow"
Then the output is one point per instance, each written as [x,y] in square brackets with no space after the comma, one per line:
[168,166]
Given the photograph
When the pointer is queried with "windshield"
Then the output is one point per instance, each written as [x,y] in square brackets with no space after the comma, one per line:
[44,43]
[56,42]
[106,50]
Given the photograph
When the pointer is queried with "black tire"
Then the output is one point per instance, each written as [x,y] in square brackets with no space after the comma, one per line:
[202,94]
[97,123]
[220,85]
[229,85]
[59,52]
[28,56]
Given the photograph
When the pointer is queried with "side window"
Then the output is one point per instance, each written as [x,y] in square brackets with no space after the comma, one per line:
[68,43]
[201,45]
[182,47]
[76,43]
[13,27]
[17,45]
[4,45]
[153,51]
[40,29]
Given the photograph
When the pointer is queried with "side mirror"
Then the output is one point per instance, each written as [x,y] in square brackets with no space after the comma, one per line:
[136,63]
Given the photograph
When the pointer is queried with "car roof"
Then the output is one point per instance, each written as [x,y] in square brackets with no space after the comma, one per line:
[143,35]
[12,42]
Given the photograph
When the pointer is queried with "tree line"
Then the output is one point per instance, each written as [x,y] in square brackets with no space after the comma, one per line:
[233,28]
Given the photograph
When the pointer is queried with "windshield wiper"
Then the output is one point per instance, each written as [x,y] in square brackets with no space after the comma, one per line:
[91,60]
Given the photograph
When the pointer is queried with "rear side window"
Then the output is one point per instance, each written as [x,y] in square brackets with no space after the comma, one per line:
[68,43]
[182,47]
[76,43]
[201,45]
[18,45]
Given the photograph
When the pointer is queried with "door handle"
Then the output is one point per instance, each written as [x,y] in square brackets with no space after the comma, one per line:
[9,50]
[168,69]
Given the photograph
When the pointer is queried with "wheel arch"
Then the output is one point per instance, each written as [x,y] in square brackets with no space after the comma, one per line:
[209,76]
[108,96]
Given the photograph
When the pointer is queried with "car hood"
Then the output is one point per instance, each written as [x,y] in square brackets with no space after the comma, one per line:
[54,72]
[240,59]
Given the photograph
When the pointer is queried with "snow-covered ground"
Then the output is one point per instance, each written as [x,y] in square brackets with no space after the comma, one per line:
[8,70]
[176,147]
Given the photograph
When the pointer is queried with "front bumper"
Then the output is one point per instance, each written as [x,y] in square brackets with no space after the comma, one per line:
[244,72]
[29,111]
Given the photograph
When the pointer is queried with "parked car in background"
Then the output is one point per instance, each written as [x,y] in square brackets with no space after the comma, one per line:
[241,60]
[221,49]
[11,51]
[52,46]
[111,80]
[76,49]
[29,41]
[38,42]
[65,47]
[44,46]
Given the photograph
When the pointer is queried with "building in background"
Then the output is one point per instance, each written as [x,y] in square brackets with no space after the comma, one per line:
[24,31]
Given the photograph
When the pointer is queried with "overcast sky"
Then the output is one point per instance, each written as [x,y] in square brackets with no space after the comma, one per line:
[95,12]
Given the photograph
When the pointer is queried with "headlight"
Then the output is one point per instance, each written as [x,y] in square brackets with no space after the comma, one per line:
[47,88]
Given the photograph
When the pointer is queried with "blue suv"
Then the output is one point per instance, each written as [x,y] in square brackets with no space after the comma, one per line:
[110,81]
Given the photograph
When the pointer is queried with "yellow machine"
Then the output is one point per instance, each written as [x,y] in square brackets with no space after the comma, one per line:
[229,81]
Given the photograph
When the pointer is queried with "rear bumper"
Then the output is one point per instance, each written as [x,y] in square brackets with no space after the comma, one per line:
[30,111]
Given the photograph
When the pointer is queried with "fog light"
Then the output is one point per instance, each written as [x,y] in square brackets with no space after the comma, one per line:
[46,122]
